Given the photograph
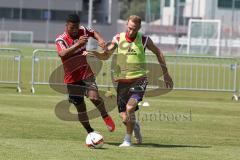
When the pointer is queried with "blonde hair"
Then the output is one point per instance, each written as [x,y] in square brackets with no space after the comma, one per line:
[135,19]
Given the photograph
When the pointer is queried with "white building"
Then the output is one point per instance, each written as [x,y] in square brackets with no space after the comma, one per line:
[226,10]
[46,18]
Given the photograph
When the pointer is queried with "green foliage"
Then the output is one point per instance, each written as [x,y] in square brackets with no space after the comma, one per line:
[140,8]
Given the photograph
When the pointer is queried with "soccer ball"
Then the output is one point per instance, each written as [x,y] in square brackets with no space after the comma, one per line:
[94,140]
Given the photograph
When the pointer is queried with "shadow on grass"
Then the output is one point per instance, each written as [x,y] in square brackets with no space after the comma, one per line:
[8,87]
[160,145]
[103,148]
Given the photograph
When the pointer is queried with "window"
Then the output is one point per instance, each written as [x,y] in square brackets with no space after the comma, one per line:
[5,13]
[167,3]
[228,4]
[58,15]
[16,13]
[237,4]
[225,3]
[9,13]
[31,14]
[43,14]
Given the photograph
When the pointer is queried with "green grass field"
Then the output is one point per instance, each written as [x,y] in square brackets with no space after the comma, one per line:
[179,125]
[182,125]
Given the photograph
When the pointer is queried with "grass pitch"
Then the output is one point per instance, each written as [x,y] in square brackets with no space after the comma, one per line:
[181,125]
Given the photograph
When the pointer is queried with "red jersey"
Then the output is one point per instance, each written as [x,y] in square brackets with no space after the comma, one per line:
[75,66]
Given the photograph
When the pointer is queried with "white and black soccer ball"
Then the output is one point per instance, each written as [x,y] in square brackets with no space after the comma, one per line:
[94,140]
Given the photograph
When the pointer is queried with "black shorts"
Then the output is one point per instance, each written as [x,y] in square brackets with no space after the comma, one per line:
[79,89]
[125,91]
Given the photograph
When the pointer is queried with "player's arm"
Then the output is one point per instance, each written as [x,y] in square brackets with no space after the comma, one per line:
[100,40]
[72,50]
[107,52]
[96,35]
[152,47]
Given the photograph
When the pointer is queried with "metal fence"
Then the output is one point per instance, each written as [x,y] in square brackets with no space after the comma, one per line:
[188,72]
[44,62]
[236,96]
[205,73]
[10,67]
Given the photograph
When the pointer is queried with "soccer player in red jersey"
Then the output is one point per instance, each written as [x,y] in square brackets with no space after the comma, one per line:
[78,75]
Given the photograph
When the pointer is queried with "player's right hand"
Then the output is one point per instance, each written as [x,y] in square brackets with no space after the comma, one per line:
[101,43]
[168,80]
[82,40]
[90,53]
[109,46]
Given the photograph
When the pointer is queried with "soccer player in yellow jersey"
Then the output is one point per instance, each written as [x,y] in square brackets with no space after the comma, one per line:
[130,73]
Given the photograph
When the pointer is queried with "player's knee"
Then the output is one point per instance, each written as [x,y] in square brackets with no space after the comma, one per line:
[96,99]
[93,99]
[93,96]
[130,108]
[131,105]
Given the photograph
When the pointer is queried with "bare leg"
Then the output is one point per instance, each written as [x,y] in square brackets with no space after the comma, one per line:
[130,112]
[129,120]
[98,102]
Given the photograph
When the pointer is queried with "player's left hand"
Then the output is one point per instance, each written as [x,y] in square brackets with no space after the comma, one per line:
[101,43]
[168,80]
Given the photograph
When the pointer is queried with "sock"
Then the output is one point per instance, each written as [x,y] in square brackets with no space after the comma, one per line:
[105,116]
[83,117]
[127,138]
[89,129]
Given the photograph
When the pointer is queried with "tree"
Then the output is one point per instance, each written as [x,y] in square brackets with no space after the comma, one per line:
[129,7]
[138,7]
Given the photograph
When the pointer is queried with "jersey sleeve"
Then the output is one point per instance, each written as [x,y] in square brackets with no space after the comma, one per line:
[60,46]
[87,31]
[90,32]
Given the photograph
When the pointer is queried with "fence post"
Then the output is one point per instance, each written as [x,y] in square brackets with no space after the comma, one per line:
[36,54]
[13,54]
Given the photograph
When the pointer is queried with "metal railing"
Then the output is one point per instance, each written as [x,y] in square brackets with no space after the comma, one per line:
[44,62]
[10,67]
[188,72]
[203,73]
